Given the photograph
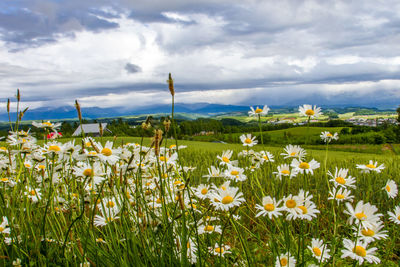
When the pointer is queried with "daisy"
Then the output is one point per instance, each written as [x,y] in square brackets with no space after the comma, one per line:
[363,213]
[371,234]
[3,226]
[46,124]
[269,207]
[219,250]
[100,221]
[371,166]
[319,250]
[54,147]
[327,137]
[310,111]
[308,211]
[86,170]
[341,179]
[209,229]
[395,216]
[285,260]
[291,204]
[284,170]
[107,153]
[226,158]
[341,194]
[33,194]
[258,111]
[294,151]
[235,174]
[391,188]
[359,252]
[109,207]
[305,167]
[202,191]
[228,198]
[248,140]
[266,156]
[213,172]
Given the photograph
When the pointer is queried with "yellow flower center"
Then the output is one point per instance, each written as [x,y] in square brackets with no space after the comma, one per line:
[340,180]
[329,135]
[1,229]
[258,110]
[88,144]
[310,112]
[225,159]
[48,124]
[291,203]
[54,148]
[361,216]
[109,219]
[339,196]
[158,201]
[265,157]
[209,228]
[388,188]
[248,141]
[371,166]
[368,232]
[227,200]
[223,187]
[304,209]
[317,251]
[110,204]
[92,153]
[204,191]
[177,182]
[360,251]
[162,158]
[304,165]
[234,172]
[3,148]
[88,172]
[106,152]
[269,207]
[284,262]
[172,146]
[27,165]
[293,154]
[285,172]
[219,250]
[42,167]
[5,179]
[32,193]
[398,218]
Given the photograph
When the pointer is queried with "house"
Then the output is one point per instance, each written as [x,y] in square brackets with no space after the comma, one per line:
[91,129]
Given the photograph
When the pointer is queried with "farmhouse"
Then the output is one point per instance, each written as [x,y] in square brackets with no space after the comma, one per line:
[92,129]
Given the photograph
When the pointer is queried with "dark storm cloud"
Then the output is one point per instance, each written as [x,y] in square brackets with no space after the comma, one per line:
[132,68]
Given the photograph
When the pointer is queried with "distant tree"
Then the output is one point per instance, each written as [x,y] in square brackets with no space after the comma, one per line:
[398,114]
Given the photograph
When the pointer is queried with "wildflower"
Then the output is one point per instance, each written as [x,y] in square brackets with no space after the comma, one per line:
[327,137]
[371,234]
[294,151]
[258,111]
[310,111]
[209,229]
[224,199]
[265,156]
[284,170]
[341,179]
[371,166]
[33,194]
[202,191]
[305,167]
[341,194]
[226,158]
[395,216]
[213,172]
[100,221]
[363,213]
[284,260]
[219,250]
[235,173]
[108,154]
[359,251]
[319,250]
[391,188]
[291,204]
[3,226]
[94,171]
[269,207]
[248,140]
[46,124]
[306,210]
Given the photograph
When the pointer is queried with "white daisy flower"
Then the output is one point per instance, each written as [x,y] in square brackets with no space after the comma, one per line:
[269,207]
[371,166]
[308,211]
[258,111]
[213,172]
[319,250]
[305,167]
[371,234]
[202,191]
[219,250]
[226,158]
[395,216]
[224,199]
[46,124]
[108,153]
[33,194]
[359,252]
[3,226]
[341,179]
[248,140]
[235,174]
[341,194]
[327,137]
[391,188]
[265,156]
[294,151]
[363,213]
[209,229]
[284,170]
[310,111]
[284,260]
[86,170]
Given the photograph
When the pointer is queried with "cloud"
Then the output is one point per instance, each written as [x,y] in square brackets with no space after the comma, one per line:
[132,68]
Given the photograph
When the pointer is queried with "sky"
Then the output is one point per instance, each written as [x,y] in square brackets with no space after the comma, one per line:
[119,53]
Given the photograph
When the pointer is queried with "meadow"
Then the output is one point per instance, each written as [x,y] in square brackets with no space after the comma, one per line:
[164,202]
